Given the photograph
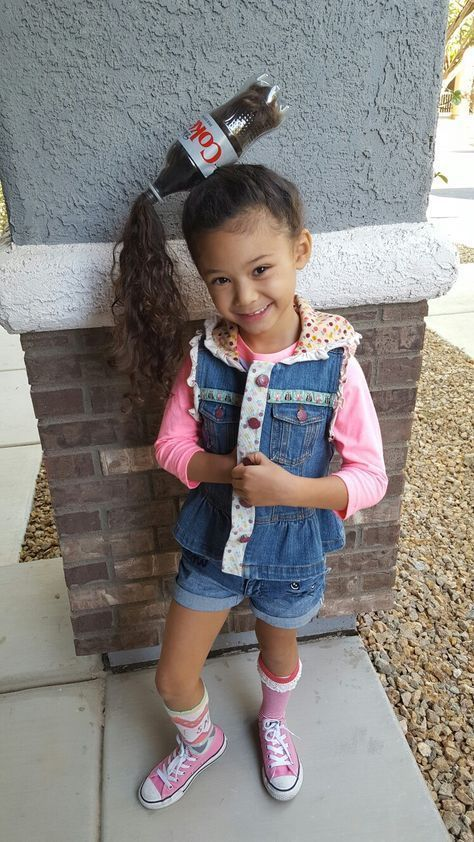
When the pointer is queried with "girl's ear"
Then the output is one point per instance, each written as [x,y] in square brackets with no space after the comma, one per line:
[303,249]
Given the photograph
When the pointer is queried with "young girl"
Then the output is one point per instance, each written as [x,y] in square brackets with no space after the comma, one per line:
[265,394]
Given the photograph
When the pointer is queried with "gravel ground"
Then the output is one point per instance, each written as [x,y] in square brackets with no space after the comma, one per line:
[422,648]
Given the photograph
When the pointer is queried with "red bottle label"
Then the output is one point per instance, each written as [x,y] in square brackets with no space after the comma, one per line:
[207,145]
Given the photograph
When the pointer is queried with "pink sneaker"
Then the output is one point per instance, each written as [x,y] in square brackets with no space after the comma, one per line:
[282,771]
[168,781]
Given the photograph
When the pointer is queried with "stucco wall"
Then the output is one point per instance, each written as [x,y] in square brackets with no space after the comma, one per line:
[92,95]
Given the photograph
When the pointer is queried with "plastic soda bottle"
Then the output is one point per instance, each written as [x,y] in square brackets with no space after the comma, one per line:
[219,137]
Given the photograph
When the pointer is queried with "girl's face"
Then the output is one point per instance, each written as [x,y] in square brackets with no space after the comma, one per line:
[251,278]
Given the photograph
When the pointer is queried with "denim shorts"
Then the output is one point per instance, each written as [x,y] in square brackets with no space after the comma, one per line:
[201,585]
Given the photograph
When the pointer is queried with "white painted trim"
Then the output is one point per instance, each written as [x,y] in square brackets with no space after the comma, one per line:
[58,287]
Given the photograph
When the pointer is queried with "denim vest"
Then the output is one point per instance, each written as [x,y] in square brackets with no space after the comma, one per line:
[285,410]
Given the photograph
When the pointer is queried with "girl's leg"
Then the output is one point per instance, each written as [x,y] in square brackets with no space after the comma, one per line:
[278,647]
[279,668]
[187,639]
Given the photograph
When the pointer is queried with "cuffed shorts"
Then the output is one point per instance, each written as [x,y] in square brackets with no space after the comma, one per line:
[201,585]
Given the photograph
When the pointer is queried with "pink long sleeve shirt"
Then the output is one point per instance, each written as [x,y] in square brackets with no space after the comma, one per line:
[357,436]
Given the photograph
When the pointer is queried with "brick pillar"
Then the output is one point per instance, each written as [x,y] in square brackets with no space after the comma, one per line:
[115,508]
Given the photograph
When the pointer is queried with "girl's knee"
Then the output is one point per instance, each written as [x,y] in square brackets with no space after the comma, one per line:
[172,684]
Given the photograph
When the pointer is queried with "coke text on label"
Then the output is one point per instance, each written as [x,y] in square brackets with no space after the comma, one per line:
[204,137]
[207,145]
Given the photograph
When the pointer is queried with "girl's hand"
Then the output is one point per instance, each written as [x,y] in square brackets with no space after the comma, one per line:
[260,482]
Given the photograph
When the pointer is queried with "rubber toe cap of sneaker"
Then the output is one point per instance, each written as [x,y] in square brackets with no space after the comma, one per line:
[283,782]
[149,792]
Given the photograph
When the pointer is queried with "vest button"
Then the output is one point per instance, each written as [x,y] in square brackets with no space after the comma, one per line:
[244,502]
[301,415]
[244,538]
[219,412]
[254,423]
[262,380]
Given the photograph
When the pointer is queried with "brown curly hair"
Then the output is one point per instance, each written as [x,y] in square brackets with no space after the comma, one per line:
[148,329]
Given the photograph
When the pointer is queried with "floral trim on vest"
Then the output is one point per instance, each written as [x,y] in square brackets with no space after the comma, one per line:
[320,333]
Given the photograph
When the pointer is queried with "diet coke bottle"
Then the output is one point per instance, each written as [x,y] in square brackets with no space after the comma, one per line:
[220,137]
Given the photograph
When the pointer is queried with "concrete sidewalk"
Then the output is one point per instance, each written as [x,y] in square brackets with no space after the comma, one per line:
[77,741]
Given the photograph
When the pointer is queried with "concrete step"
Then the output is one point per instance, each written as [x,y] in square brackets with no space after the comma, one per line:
[36,638]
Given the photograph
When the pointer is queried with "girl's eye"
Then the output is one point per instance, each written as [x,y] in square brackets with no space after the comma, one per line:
[217,280]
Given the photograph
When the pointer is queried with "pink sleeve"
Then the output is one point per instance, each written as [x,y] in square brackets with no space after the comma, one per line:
[357,438]
[177,439]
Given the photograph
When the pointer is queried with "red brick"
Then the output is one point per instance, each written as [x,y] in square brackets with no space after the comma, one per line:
[367,367]
[43,369]
[149,514]
[165,542]
[76,465]
[381,600]
[386,535]
[398,371]
[381,341]
[355,315]
[113,396]
[133,488]
[151,564]
[97,339]
[132,615]
[337,586]
[396,484]
[109,594]
[395,429]
[395,457]
[166,485]
[378,579]
[350,538]
[394,400]
[108,397]
[47,340]
[140,638]
[83,547]
[96,367]
[401,312]
[104,642]
[242,621]
[119,460]
[361,560]
[387,510]
[81,574]
[92,622]
[57,402]
[76,433]
[135,543]
[74,522]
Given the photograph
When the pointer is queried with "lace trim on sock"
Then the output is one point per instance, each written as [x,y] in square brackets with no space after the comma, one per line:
[278,686]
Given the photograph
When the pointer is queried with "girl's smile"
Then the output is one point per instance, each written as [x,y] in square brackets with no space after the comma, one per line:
[258,314]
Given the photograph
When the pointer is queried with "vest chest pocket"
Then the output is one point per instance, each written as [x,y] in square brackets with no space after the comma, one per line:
[220,426]
[295,431]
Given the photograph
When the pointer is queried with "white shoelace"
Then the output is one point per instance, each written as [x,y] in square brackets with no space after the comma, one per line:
[177,765]
[277,748]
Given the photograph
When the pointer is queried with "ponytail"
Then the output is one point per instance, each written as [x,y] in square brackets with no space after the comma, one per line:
[148,330]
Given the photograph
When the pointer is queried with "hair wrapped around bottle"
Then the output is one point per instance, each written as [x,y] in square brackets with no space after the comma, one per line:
[148,310]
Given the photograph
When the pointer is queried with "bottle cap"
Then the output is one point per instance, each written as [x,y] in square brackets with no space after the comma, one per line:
[152,194]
